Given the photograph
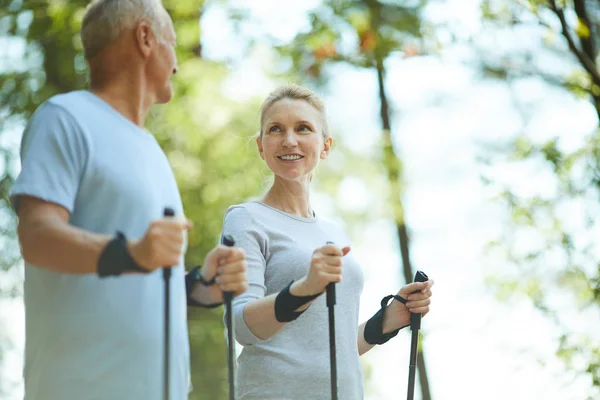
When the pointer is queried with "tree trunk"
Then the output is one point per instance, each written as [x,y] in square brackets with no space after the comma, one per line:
[394,173]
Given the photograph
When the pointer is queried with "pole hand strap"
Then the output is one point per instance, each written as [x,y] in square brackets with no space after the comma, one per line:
[373,333]
[286,304]
[115,258]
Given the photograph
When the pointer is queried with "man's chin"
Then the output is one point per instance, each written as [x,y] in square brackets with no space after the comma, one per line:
[165,98]
[165,95]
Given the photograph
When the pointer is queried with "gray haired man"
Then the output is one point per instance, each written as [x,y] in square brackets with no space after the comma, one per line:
[90,200]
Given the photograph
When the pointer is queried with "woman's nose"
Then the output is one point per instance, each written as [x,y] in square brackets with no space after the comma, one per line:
[289,140]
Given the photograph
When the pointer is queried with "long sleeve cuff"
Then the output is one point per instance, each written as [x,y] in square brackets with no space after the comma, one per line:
[243,334]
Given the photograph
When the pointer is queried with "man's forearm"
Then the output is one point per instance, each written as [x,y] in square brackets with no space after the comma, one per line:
[55,245]
[207,295]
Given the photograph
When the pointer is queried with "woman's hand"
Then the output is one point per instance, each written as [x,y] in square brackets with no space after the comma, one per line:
[325,268]
[397,315]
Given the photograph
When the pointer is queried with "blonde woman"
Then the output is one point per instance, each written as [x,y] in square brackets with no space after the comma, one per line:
[282,319]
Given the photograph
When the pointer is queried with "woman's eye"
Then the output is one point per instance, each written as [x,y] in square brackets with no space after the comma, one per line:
[274,129]
[304,128]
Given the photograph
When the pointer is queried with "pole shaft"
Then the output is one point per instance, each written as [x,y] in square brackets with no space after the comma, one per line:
[230,347]
[412,367]
[229,241]
[167,212]
[167,336]
[332,354]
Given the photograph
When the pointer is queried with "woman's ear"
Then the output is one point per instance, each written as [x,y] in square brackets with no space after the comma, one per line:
[260,147]
[327,143]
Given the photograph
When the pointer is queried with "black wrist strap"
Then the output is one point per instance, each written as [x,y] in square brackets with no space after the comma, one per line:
[286,304]
[374,327]
[193,277]
[395,296]
[115,258]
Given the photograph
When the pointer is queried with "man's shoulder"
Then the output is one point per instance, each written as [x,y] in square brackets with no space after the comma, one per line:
[68,101]
[62,105]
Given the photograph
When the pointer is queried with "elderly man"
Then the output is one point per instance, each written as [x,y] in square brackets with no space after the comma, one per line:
[90,200]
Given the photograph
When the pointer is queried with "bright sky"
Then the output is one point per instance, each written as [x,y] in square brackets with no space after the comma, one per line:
[475,347]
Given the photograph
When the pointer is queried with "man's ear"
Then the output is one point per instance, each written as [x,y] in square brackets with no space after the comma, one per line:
[260,147]
[144,38]
[327,143]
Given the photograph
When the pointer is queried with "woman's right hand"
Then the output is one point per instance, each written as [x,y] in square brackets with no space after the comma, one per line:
[325,268]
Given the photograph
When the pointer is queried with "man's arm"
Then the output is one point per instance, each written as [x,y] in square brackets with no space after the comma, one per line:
[49,241]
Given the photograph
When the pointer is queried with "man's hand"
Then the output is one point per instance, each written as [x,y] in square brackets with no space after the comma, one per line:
[162,244]
[229,266]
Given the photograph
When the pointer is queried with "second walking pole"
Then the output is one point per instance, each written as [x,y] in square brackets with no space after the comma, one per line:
[227,240]
[332,348]
[415,325]
[168,212]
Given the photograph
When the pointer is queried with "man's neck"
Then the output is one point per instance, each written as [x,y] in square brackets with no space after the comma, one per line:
[127,95]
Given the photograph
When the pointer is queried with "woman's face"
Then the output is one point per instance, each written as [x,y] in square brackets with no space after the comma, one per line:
[292,140]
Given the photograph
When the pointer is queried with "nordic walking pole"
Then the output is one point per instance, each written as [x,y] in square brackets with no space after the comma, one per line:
[332,347]
[168,212]
[227,240]
[415,325]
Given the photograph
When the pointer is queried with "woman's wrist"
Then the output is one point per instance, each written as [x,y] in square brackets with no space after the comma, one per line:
[395,316]
[299,288]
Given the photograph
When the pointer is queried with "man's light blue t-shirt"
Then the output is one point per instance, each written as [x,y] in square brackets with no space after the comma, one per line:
[89,338]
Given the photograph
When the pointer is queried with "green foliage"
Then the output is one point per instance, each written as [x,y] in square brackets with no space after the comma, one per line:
[355,32]
[558,259]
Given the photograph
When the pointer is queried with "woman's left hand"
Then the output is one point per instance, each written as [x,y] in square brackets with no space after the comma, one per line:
[397,315]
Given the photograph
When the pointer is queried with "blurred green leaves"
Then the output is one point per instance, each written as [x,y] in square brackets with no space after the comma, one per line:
[559,259]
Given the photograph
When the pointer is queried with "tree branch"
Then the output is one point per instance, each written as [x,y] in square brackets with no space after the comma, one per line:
[584,60]
[588,44]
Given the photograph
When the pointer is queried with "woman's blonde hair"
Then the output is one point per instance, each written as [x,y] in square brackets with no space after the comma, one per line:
[293,92]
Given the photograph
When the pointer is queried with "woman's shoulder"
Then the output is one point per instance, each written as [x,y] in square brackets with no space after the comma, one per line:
[238,211]
[244,212]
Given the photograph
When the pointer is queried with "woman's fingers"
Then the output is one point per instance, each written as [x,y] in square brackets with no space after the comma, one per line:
[333,261]
[232,267]
[419,306]
[420,295]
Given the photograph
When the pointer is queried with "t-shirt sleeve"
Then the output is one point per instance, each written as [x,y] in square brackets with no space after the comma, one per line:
[239,223]
[54,154]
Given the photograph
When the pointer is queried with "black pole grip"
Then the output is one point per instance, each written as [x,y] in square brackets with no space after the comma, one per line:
[167,212]
[229,241]
[415,319]
[331,297]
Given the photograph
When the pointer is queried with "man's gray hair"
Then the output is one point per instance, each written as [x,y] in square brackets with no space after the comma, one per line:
[104,20]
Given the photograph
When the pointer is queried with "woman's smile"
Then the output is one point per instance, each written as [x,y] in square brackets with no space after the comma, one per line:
[290,158]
